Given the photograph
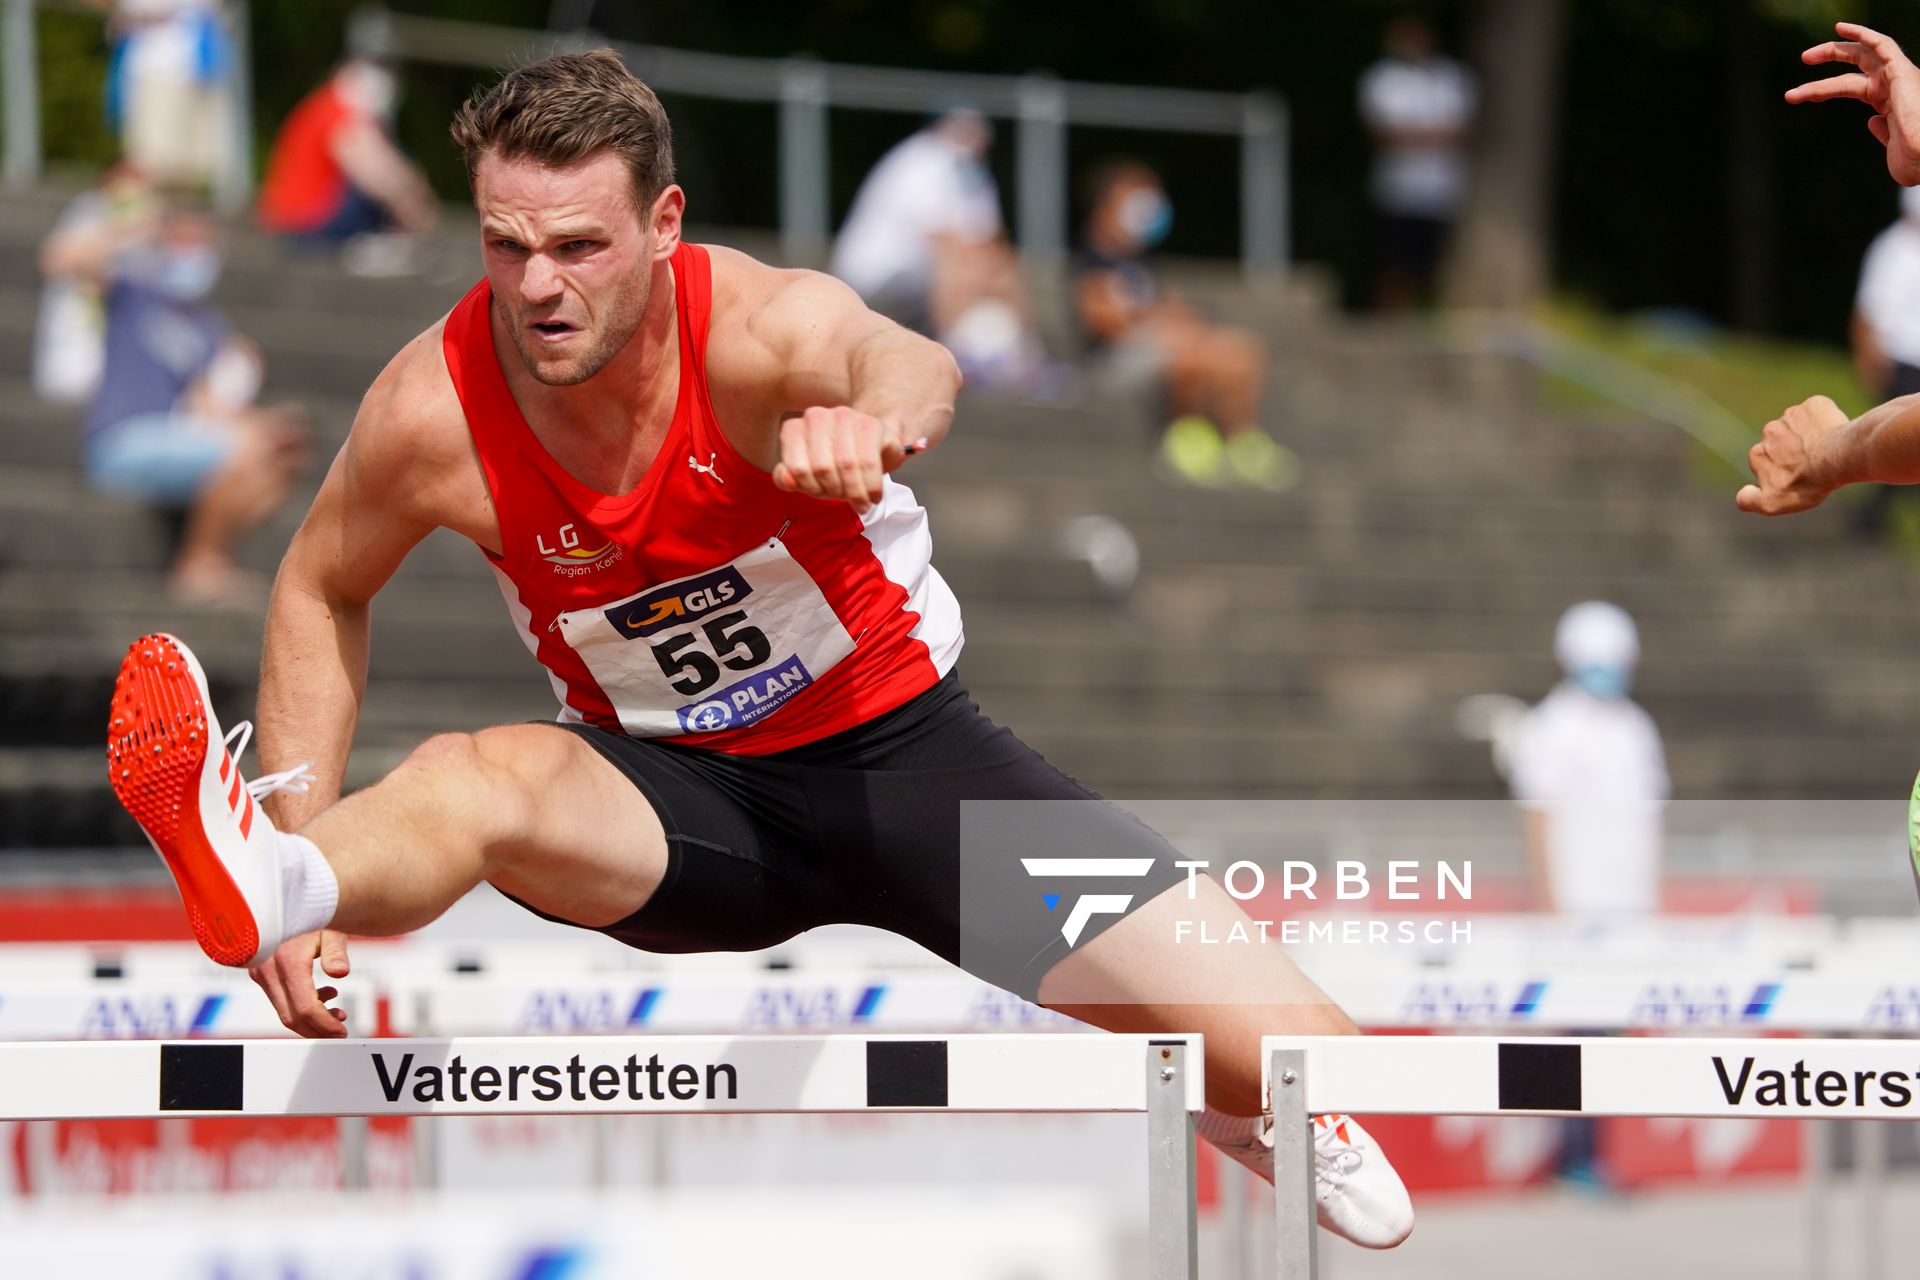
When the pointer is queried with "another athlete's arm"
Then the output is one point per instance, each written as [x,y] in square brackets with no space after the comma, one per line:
[836,392]
[1885,79]
[1814,448]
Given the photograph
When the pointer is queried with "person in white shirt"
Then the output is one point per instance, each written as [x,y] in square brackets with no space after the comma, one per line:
[1591,778]
[1590,775]
[1886,329]
[1418,107]
[924,244]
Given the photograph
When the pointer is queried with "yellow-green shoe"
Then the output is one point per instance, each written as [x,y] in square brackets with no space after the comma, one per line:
[1258,461]
[1191,449]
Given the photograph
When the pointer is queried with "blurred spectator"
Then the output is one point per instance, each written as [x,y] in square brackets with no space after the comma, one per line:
[174,422]
[1418,106]
[167,88]
[924,244]
[1210,376]
[69,338]
[1590,776]
[1886,330]
[336,177]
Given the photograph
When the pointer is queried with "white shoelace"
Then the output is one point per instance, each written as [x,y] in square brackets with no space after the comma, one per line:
[1334,1154]
[296,779]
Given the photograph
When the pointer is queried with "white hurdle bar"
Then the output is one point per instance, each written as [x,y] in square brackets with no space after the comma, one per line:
[1307,1076]
[1162,1078]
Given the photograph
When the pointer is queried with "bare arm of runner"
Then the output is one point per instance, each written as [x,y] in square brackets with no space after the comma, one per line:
[845,393]
[1885,79]
[1814,448]
[376,503]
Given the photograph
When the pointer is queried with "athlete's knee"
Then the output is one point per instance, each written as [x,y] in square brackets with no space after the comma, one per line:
[443,753]
[475,774]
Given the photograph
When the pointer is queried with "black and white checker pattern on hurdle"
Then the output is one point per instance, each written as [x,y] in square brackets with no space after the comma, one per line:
[578,1075]
[1676,1076]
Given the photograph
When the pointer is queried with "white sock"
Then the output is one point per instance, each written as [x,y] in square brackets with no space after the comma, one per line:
[311,892]
[1224,1129]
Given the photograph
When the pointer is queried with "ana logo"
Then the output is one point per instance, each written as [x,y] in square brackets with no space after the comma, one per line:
[1088,905]
[588,1010]
[1443,1003]
[678,603]
[569,551]
[1702,1004]
[144,1017]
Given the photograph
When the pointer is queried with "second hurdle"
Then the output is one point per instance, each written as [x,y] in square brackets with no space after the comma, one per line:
[1491,1076]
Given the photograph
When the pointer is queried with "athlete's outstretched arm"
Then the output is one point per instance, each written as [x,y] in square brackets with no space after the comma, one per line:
[1814,448]
[848,392]
[313,669]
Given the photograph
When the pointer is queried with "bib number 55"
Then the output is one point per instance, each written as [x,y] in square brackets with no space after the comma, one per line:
[735,644]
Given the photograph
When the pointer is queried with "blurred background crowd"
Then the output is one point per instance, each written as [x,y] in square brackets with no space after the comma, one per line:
[1435,505]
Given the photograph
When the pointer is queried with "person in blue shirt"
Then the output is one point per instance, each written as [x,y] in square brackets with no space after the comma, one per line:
[174,423]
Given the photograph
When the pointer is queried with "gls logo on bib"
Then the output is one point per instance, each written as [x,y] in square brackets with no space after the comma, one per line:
[679,603]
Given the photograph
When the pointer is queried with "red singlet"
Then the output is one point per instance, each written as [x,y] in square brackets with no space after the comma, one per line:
[705,602]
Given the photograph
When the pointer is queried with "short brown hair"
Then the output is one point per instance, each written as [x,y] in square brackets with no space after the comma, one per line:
[565,109]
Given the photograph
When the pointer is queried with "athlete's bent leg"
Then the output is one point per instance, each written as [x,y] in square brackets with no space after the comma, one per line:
[530,808]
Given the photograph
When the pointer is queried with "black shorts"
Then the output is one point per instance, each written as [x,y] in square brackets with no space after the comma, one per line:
[864,827]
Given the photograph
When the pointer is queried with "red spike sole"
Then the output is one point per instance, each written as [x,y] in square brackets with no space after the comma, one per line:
[157,743]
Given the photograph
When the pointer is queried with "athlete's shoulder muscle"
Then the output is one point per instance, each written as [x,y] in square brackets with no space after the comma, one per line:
[781,333]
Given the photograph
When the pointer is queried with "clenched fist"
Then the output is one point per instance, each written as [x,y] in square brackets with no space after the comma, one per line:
[1787,471]
[838,453]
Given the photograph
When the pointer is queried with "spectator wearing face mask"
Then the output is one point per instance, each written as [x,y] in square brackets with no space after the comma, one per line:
[1590,775]
[336,178]
[1210,377]
[174,422]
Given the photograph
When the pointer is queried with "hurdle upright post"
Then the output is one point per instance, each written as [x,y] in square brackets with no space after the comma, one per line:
[1296,1236]
[1173,1251]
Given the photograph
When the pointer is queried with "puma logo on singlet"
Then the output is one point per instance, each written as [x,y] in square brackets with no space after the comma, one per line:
[709,469]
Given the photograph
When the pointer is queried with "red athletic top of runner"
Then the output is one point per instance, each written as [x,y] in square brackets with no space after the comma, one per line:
[705,604]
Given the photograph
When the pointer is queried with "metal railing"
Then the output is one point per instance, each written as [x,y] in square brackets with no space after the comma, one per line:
[1042,108]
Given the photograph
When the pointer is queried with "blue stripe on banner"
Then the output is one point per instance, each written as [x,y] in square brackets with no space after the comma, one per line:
[208,1013]
[869,1001]
[1529,998]
[643,1007]
[1763,997]
[556,1263]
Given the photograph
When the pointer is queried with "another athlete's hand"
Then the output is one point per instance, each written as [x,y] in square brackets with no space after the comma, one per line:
[287,979]
[1886,81]
[1787,479]
[838,453]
